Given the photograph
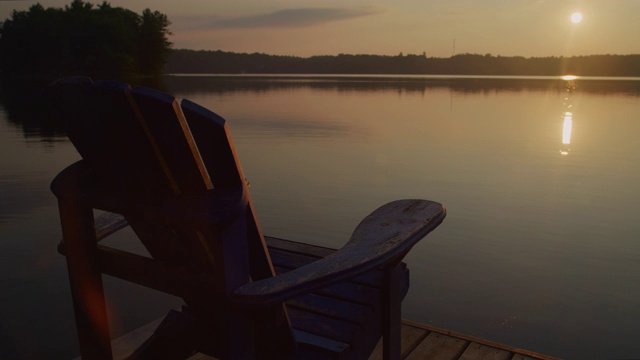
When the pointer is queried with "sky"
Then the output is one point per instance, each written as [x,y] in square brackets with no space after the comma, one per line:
[439,28]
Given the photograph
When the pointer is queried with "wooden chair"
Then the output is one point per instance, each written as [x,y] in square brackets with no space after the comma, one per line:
[170,171]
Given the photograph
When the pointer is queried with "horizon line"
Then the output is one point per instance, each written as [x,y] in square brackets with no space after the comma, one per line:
[411,54]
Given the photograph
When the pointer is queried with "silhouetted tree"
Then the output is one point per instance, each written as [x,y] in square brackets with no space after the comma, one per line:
[154,47]
[81,39]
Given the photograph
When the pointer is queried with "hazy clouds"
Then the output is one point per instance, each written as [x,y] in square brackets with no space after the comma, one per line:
[291,18]
[388,27]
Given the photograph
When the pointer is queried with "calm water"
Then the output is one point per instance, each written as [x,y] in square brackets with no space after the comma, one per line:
[539,250]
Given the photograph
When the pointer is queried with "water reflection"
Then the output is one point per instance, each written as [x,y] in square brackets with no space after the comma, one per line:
[24,104]
[22,101]
[321,155]
[409,84]
[566,132]
[567,116]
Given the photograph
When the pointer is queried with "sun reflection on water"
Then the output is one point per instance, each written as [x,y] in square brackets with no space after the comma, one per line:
[566,132]
[566,128]
[567,115]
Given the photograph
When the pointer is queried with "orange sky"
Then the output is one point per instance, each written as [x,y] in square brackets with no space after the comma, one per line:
[388,27]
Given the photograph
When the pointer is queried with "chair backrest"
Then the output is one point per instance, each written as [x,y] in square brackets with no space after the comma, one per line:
[143,147]
[116,129]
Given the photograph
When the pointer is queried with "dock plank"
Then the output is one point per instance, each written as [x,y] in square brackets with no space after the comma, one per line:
[472,339]
[200,356]
[483,352]
[521,357]
[438,347]
[126,344]
[410,337]
[419,342]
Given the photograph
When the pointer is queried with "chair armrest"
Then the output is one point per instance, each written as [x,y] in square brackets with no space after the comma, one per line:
[383,237]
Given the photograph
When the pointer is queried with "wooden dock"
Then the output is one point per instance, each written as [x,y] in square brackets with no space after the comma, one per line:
[419,342]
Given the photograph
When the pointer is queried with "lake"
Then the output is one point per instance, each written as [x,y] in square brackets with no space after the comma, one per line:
[540,177]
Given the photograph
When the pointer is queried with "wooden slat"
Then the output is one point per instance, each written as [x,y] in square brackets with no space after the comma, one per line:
[335,308]
[298,248]
[474,339]
[200,356]
[521,357]
[324,326]
[149,272]
[411,336]
[317,252]
[109,223]
[215,145]
[293,261]
[356,286]
[289,260]
[125,146]
[117,142]
[320,344]
[126,344]
[352,292]
[438,347]
[166,127]
[477,351]
[381,239]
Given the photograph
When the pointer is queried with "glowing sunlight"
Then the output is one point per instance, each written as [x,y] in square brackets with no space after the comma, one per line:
[576,17]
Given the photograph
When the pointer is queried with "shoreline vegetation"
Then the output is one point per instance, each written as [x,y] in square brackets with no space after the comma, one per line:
[44,44]
[185,61]
[106,42]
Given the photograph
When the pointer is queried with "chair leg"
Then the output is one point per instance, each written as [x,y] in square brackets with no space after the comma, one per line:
[391,316]
[78,230]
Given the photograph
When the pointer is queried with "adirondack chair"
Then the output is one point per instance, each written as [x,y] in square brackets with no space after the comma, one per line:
[170,171]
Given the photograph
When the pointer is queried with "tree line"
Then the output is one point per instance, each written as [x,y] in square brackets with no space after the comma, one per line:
[222,62]
[83,39]
[112,42]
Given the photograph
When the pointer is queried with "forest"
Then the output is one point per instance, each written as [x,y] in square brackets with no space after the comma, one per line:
[222,62]
[83,39]
[112,42]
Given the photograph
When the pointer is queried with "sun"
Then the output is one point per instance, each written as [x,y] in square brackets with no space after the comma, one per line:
[576,17]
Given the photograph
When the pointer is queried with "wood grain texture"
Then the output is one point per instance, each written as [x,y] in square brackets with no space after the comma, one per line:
[109,223]
[474,339]
[522,357]
[411,336]
[482,352]
[385,235]
[438,347]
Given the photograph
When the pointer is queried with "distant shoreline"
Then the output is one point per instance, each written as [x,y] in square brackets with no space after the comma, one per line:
[403,77]
[226,83]
[185,61]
